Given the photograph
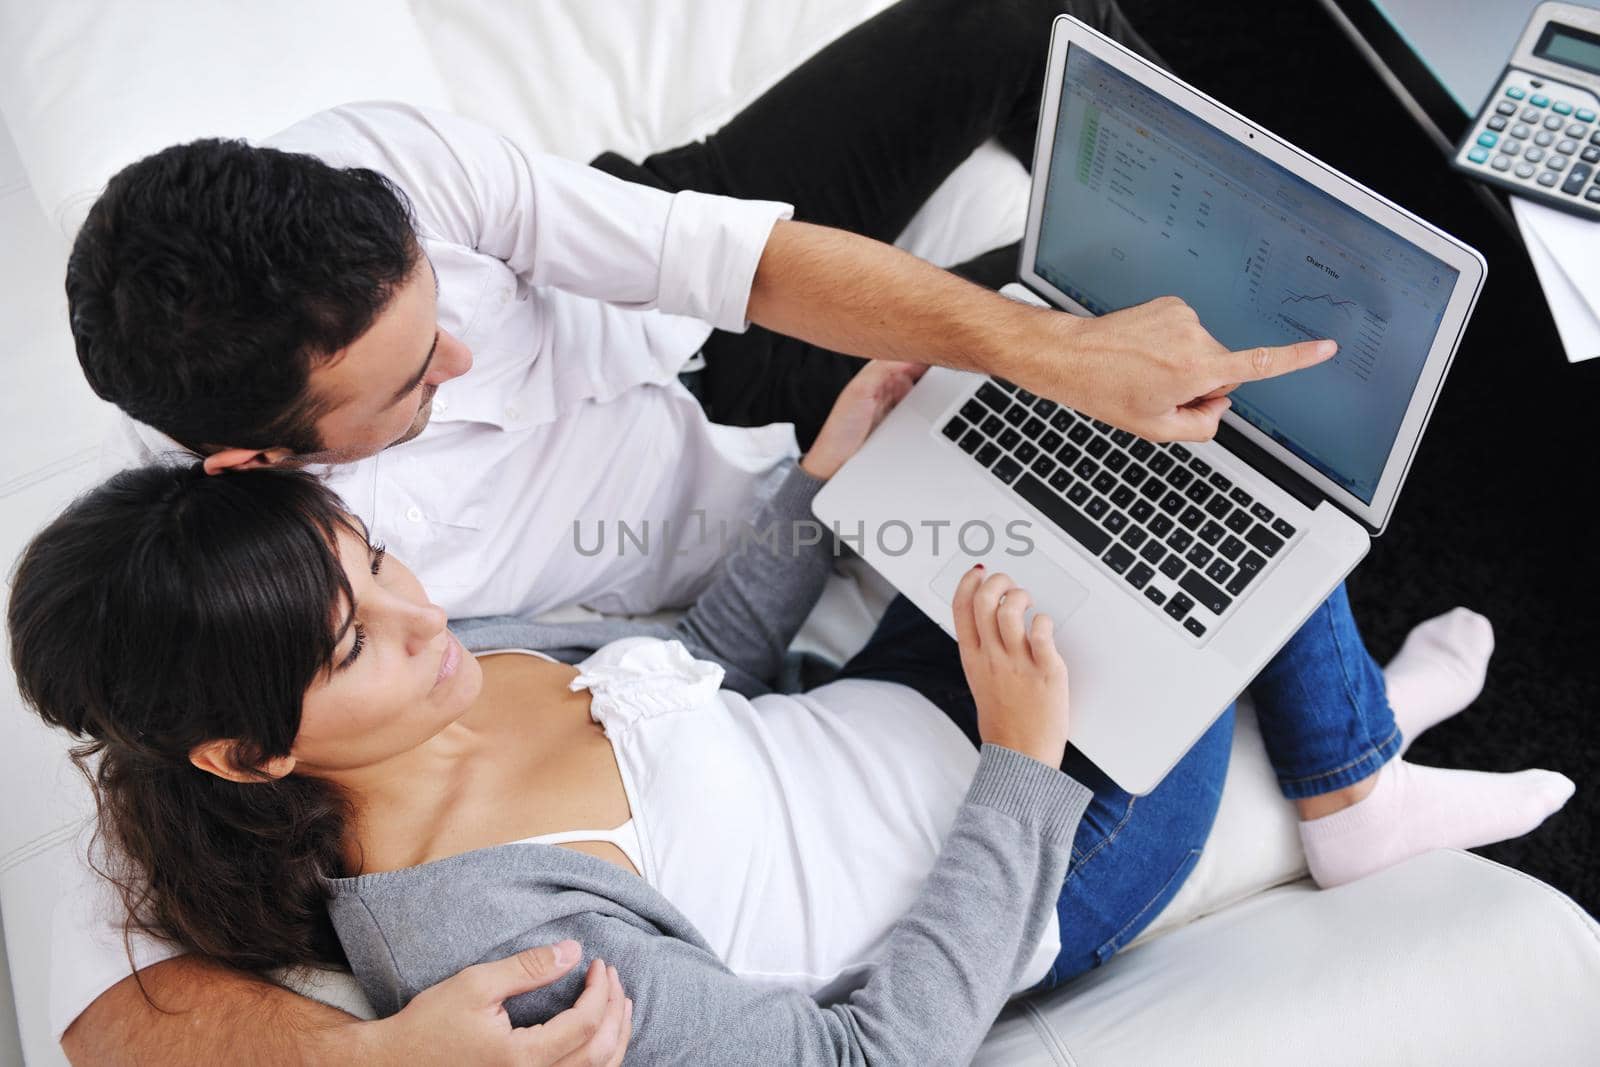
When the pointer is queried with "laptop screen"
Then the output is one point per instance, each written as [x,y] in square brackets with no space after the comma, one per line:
[1143,199]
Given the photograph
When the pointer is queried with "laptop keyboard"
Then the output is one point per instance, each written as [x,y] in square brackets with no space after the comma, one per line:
[1157,516]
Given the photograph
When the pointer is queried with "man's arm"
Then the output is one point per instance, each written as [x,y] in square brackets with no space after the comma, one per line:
[1151,369]
[204,1013]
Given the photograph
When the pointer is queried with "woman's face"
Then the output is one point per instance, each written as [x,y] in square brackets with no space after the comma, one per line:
[398,675]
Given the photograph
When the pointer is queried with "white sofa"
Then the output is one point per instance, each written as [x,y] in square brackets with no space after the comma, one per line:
[1446,959]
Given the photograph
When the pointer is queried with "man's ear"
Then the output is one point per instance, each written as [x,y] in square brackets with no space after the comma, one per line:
[243,459]
[217,757]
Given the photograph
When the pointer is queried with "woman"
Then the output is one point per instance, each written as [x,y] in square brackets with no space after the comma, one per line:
[287,731]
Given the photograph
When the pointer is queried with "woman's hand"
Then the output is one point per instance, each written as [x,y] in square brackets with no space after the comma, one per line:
[862,404]
[1017,676]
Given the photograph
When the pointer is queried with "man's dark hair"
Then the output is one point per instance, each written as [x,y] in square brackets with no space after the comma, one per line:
[211,277]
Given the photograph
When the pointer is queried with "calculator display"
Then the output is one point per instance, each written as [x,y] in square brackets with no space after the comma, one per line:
[1574,47]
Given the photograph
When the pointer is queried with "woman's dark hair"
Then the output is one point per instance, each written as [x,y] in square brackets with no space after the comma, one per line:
[209,279]
[164,609]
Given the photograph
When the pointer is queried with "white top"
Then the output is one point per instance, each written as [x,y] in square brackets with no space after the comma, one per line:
[793,831]
[581,297]
[573,289]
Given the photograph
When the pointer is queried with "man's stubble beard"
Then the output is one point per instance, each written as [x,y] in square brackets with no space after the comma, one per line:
[331,458]
[420,423]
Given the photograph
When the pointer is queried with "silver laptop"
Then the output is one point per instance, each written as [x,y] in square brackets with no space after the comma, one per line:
[1173,572]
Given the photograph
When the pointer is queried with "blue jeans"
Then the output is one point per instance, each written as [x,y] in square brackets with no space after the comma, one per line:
[1324,716]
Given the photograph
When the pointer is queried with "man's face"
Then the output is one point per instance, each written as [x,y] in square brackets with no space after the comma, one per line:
[379,390]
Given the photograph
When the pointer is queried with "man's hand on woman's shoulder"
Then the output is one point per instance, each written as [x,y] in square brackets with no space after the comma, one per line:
[463,1020]
[192,1011]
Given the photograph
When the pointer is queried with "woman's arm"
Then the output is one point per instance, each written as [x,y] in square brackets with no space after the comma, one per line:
[945,971]
[744,620]
[771,577]
[775,572]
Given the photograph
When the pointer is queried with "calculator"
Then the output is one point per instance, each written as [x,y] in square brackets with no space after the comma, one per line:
[1538,134]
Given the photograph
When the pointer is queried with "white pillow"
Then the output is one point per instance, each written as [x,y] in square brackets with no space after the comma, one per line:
[88,87]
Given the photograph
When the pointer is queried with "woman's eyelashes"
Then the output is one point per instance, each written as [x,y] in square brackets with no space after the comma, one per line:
[360,641]
[355,646]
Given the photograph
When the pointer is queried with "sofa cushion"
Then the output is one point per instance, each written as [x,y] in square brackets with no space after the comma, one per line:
[87,88]
[1446,959]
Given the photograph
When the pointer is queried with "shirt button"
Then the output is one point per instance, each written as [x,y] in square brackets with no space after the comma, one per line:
[513,411]
[414,514]
[441,404]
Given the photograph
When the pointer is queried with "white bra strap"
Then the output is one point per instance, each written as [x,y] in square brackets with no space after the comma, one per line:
[517,651]
[624,837]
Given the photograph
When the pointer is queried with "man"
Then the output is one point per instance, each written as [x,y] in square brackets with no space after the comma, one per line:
[492,354]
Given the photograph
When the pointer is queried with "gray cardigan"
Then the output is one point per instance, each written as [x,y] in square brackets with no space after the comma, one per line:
[947,967]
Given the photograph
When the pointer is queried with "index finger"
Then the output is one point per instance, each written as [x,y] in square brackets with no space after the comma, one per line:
[961,607]
[571,1030]
[1254,364]
[608,1044]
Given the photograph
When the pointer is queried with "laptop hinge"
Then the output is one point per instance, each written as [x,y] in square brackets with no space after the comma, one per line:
[1257,458]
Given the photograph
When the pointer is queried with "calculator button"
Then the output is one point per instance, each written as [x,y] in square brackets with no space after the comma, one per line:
[1479,155]
[1515,93]
[1510,148]
[1539,100]
[1520,132]
[1500,163]
[1566,148]
[1531,115]
[1553,122]
[1505,107]
[1533,155]
[1556,162]
[1593,195]
[1498,122]
[1561,107]
[1575,179]
[1488,140]
[1544,138]
[1547,178]
[1577,129]
[1594,138]
[1524,170]
[1591,154]
[1583,115]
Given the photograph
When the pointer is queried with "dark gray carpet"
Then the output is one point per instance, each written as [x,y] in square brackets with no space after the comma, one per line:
[1508,531]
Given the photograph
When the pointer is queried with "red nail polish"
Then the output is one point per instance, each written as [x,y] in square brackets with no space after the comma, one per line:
[978,567]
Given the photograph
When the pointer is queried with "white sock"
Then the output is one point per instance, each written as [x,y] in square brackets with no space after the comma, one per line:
[1412,810]
[1438,671]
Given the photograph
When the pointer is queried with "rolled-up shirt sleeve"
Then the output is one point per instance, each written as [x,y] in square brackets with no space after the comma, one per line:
[555,222]
[709,258]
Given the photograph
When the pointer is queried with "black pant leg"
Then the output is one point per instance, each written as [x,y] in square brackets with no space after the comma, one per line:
[858,137]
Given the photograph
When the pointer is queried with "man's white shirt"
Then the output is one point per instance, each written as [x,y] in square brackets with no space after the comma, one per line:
[581,297]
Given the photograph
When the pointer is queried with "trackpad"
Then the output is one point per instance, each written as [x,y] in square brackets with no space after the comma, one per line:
[1054,591]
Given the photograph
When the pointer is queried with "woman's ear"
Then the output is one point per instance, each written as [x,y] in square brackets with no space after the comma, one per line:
[217,757]
[241,459]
